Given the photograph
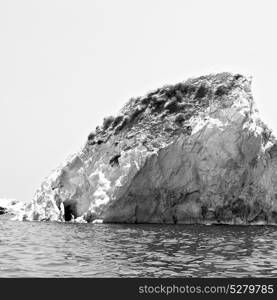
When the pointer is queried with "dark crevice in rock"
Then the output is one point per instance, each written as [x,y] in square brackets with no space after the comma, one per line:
[192,196]
[273,151]
[69,211]
[174,218]
[274,216]
[204,211]
[114,160]
[99,142]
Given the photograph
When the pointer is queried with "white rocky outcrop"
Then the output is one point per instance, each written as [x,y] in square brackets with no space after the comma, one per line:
[194,152]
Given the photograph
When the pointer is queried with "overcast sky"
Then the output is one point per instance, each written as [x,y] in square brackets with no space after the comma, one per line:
[64,65]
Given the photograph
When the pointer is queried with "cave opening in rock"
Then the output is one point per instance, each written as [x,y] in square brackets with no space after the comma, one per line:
[69,211]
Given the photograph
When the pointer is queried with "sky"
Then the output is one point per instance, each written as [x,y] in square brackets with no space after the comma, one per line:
[65,65]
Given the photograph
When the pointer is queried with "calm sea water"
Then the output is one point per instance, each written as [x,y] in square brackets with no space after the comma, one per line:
[33,249]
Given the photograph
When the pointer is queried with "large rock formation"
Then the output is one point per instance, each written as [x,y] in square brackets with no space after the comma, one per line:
[194,152]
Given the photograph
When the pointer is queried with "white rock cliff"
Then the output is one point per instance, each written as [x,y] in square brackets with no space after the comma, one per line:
[194,152]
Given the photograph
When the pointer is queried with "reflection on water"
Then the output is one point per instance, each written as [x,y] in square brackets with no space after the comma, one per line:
[105,250]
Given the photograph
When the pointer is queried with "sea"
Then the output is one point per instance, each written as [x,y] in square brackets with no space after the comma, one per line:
[44,249]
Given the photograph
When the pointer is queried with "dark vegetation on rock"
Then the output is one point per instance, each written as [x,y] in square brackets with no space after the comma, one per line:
[179,101]
[107,122]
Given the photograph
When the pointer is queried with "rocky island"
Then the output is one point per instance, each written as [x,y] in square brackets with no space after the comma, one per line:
[193,152]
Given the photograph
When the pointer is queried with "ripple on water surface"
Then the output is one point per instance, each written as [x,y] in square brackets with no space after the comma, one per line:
[38,249]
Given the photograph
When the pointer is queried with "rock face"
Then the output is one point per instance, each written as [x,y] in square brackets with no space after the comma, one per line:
[194,152]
